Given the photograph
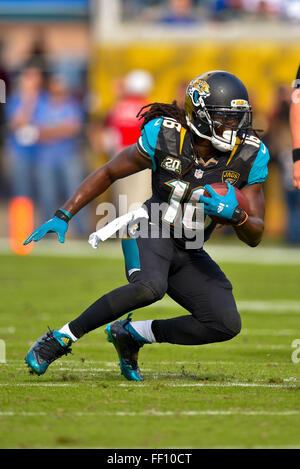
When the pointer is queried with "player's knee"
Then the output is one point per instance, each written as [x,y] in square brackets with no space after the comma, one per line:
[152,290]
[232,324]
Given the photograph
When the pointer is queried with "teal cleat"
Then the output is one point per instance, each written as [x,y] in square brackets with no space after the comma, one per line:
[127,343]
[49,347]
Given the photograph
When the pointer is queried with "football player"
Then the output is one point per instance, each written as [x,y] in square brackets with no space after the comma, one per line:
[210,140]
[295,129]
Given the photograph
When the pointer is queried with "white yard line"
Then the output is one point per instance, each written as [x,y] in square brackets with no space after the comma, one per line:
[154,413]
[7,330]
[201,363]
[269,332]
[250,306]
[50,385]
[152,372]
[214,345]
[198,361]
[22,414]
[242,254]
[271,306]
[221,385]
[14,361]
[246,385]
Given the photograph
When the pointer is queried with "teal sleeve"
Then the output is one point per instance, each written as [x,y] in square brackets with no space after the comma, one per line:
[148,139]
[131,254]
[259,170]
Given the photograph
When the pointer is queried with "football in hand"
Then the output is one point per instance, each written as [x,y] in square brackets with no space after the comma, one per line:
[222,189]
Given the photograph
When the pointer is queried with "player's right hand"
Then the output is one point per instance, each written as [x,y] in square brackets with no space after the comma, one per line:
[54,225]
[222,206]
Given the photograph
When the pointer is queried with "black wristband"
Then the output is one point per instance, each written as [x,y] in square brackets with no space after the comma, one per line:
[296,154]
[60,214]
[238,215]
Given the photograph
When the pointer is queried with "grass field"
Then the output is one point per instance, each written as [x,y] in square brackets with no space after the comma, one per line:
[244,393]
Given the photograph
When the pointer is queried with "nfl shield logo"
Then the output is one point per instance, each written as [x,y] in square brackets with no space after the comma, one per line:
[198,173]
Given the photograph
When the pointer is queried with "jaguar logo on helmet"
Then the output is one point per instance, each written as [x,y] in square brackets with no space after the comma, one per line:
[198,89]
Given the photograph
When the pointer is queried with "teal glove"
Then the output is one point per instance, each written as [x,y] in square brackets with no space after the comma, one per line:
[58,224]
[222,206]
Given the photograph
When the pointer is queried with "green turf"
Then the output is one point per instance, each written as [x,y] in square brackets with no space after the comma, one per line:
[192,397]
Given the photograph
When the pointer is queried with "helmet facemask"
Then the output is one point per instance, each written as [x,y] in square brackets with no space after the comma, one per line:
[221,125]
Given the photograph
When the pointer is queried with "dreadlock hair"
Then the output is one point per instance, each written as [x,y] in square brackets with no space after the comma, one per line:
[165,110]
[162,110]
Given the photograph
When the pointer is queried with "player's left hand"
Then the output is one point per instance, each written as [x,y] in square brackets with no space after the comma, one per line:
[222,206]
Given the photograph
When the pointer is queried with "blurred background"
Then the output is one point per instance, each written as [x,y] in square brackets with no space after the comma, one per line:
[78,71]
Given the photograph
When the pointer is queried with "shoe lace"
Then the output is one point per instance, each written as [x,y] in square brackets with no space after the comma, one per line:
[137,344]
[127,320]
[49,349]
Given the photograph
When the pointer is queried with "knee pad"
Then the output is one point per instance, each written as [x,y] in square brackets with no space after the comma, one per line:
[151,289]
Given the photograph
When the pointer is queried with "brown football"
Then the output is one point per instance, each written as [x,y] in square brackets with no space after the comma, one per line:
[221,189]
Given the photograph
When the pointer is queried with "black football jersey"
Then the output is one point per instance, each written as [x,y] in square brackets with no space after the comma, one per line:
[178,180]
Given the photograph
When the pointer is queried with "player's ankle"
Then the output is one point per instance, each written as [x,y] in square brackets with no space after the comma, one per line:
[141,331]
[66,330]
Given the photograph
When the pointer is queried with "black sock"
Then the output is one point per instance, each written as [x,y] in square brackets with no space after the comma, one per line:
[94,316]
[110,307]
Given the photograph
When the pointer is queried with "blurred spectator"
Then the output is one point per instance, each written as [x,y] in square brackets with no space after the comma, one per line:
[291,10]
[122,117]
[222,10]
[95,134]
[189,11]
[37,53]
[137,7]
[263,7]
[74,71]
[180,92]
[295,129]
[280,146]
[4,77]
[59,165]
[21,143]
[122,128]
[179,12]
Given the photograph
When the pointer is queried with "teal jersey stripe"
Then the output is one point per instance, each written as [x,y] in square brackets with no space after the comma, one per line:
[131,254]
[149,138]
[259,170]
